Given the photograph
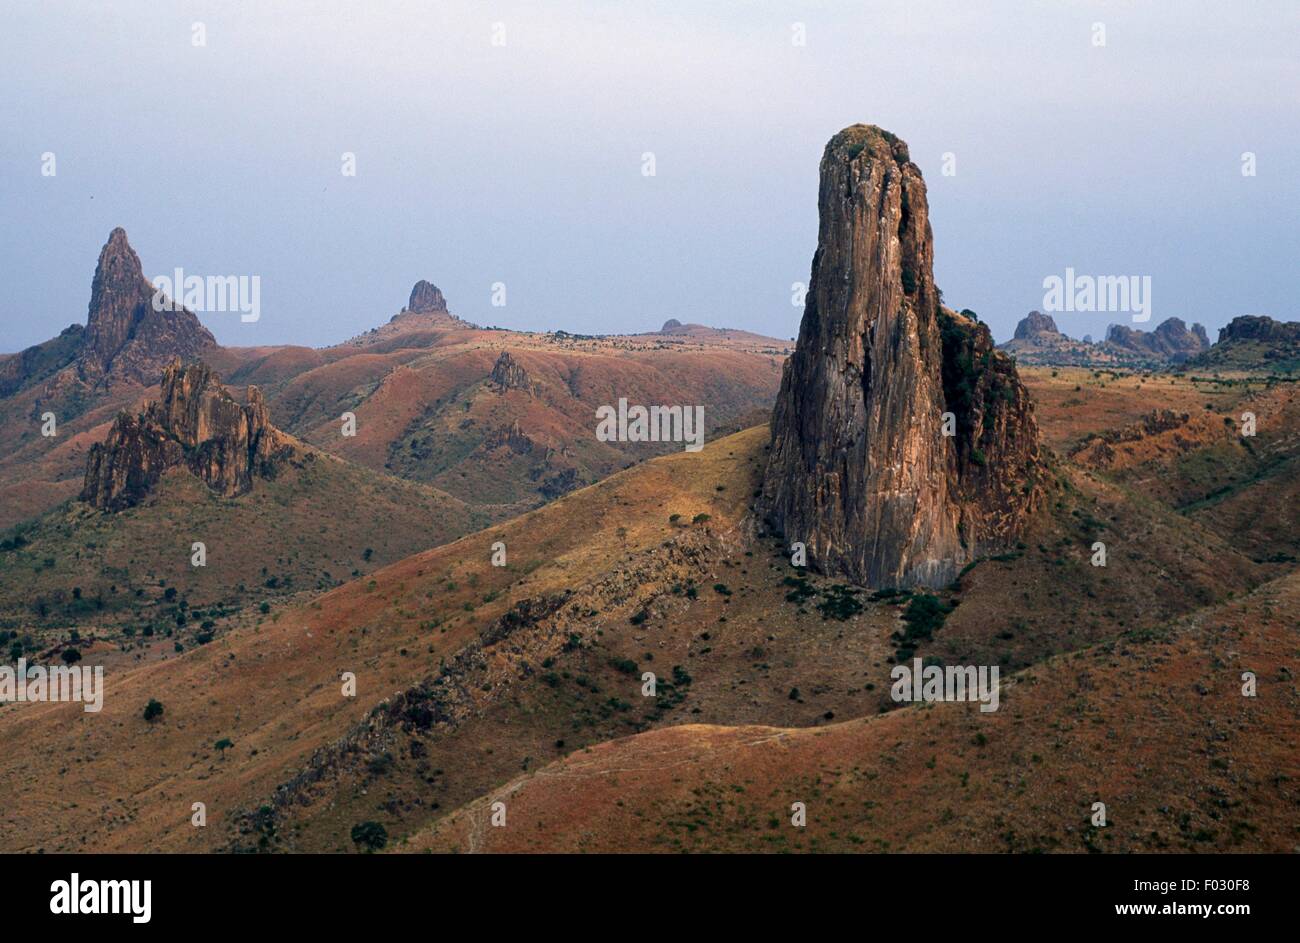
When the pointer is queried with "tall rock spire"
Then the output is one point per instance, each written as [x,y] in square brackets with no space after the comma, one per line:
[861,470]
[124,332]
[426,299]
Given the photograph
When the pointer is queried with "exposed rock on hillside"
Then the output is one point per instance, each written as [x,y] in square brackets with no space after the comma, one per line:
[509,374]
[1038,341]
[1171,340]
[195,424]
[124,338]
[124,334]
[1260,328]
[860,470]
[511,437]
[1034,324]
[40,360]
[426,299]
[1254,342]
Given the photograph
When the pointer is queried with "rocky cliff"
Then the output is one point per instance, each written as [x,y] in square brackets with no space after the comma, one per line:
[426,299]
[509,374]
[1259,328]
[1172,340]
[860,469]
[1254,342]
[125,336]
[1034,325]
[196,424]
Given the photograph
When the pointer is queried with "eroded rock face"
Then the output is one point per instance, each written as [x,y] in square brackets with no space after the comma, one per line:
[1260,328]
[426,299]
[509,374]
[860,470]
[1171,340]
[124,335]
[195,423]
[511,436]
[1035,324]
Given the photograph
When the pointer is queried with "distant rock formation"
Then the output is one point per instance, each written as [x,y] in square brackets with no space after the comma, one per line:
[1259,328]
[196,424]
[1034,325]
[124,338]
[671,325]
[1171,340]
[509,374]
[860,470]
[426,299]
[125,335]
[1038,341]
[1254,342]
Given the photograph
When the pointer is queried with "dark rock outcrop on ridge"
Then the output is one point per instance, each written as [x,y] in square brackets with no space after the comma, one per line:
[509,374]
[125,335]
[196,424]
[426,299]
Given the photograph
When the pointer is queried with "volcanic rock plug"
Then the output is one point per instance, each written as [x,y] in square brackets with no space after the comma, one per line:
[861,470]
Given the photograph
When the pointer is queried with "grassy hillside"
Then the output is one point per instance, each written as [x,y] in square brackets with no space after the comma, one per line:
[470,675]
[1153,725]
[127,579]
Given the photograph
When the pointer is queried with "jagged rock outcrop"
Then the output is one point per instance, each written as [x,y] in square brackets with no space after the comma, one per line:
[1254,327]
[1035,324]
[125,336]
[426,299]
[196,424]
[511,436]
[860,470]
[1253,342]
[509,374]
[1038,341]
[1171,340]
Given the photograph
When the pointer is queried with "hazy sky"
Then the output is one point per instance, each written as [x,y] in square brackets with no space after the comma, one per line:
[478,163]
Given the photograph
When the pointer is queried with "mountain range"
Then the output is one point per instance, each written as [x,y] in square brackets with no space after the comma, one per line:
[396,594]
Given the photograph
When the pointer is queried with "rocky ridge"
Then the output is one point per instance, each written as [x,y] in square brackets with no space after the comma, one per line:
[195,424]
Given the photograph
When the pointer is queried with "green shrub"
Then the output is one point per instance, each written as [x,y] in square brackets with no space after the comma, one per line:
[369,836]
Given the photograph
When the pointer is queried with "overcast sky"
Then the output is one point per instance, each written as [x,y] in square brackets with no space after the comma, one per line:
[522,163]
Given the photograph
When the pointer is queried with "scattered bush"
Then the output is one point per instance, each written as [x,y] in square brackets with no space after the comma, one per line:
[369,836]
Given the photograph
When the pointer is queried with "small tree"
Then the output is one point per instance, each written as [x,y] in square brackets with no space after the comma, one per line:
[369,836]
[224,744]
[71,656]
[153,710]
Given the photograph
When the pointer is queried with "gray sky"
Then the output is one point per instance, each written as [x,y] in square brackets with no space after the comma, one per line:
[522,163]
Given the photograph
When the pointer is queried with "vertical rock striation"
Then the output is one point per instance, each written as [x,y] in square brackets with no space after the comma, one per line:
[860,469]
[125,336]
[426,299]
[196,424]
